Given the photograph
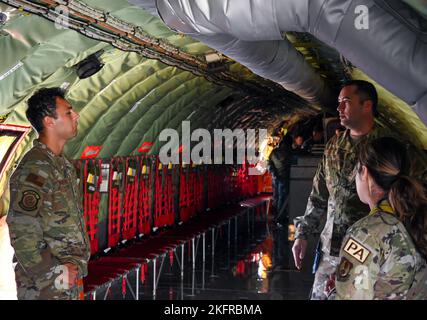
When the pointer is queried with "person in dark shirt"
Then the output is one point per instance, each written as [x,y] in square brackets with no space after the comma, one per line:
[316,138]
[279,166]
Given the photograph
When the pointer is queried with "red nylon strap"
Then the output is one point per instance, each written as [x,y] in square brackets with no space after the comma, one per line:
[199,194]
[183,207]
[184,195]
[130,205]
[91,201]
[164,213]
[220,186]
[169,212]
[113,207]
[191,200]
[158,196]
[144,200]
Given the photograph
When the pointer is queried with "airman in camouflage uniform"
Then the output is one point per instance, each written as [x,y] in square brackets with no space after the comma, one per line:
[379,260]
[46,224]
[45,217]
[334,189]
[334,192]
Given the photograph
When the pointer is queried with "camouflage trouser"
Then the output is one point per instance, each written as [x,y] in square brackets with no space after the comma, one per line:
[50,292]
[327,266]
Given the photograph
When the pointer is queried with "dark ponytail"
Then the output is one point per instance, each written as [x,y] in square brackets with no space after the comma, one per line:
[387,162]
[408,198]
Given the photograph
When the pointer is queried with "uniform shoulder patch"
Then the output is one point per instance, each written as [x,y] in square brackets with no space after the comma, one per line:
[344,269]
[29,200]
[357,250]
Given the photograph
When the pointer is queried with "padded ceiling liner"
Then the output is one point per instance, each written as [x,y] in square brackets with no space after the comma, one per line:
[133,98]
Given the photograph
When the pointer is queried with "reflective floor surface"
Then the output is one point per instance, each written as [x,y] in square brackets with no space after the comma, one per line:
[253,263]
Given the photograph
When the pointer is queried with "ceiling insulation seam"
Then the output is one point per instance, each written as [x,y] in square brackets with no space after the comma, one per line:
[127,123]
[152,99]
[224,118]
[175,119]
[85,90]
[191,99]
[143,85]
[106,82]
[211,117]
[119,110]
[185,91]
[193,124]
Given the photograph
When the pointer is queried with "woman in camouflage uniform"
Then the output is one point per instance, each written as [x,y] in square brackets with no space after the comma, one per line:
[383,255]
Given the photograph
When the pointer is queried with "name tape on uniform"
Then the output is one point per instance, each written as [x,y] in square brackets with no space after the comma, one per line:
[356,250]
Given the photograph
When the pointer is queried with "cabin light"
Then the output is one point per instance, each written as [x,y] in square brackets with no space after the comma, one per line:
[213,57]
[89,66]
[3,18]
[215,62]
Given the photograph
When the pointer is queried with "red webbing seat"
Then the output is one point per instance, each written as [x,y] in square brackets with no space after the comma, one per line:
[144,197]
[199,190]
[217,186]
[114,203]
[91,199]
[164,214]
[184,194]
[170,212]
[129,227]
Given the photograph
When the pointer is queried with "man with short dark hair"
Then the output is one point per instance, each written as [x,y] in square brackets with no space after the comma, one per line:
[334,190]
[45,218]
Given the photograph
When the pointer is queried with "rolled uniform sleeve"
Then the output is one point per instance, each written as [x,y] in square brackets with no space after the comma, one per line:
[30,196]
[316,206]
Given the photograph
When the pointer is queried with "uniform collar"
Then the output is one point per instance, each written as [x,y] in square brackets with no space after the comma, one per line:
[371,134]
[38,144]
[382,206]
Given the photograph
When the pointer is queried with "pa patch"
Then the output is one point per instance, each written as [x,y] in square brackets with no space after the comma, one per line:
[357,250]
[344,269]
[29,200]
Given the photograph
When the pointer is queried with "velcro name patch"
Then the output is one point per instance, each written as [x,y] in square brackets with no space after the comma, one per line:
[35,179]
[356,250]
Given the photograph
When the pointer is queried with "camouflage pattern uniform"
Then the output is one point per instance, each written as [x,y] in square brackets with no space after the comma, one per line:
[46,225]
[379,260]
[334,194]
